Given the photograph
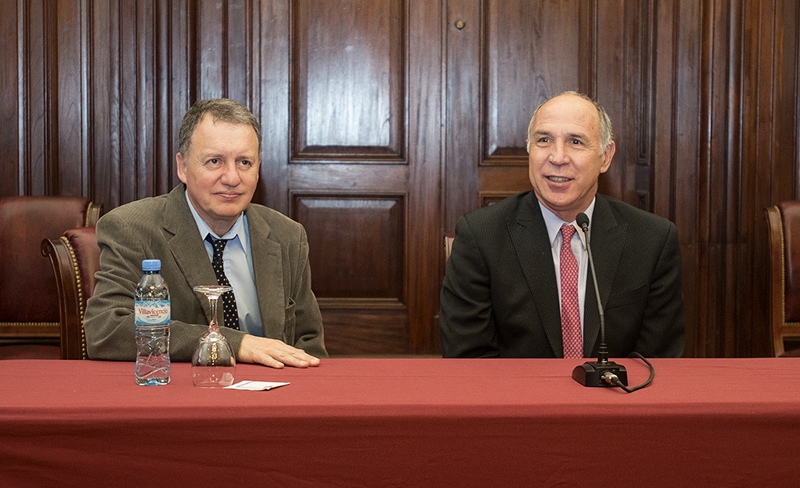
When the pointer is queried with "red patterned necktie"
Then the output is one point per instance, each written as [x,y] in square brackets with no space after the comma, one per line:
[570,309]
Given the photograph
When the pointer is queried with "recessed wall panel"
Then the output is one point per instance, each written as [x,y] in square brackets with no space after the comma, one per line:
[531,53]
[347,82]
[356,245]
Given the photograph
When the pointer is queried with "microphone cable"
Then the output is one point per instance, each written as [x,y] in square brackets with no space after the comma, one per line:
[613,379]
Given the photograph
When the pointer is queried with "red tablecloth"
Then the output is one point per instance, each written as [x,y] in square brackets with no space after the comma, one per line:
[404,422]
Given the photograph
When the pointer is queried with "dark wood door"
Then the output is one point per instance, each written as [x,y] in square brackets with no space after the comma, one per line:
[358,163]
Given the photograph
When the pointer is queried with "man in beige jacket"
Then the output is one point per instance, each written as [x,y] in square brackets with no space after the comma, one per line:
[266,257]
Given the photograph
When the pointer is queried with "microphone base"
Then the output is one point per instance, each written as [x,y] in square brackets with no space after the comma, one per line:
[591,374]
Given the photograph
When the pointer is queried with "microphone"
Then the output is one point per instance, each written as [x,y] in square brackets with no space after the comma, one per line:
[603,372]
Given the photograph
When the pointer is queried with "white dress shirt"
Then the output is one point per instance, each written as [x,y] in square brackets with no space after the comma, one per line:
[237,261]
[553,224]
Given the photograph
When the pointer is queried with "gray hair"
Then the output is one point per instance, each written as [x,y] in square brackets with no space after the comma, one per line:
[606,134]
[220,109]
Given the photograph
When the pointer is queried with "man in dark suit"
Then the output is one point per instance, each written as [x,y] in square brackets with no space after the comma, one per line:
[506,291]
[265,254]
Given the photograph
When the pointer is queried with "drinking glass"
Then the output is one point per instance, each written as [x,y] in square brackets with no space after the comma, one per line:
[213,363]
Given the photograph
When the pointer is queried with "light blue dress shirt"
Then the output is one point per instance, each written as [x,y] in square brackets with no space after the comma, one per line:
[553,224]
[237,261]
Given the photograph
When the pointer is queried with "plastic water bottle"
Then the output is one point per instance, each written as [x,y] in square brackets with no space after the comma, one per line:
[152,315]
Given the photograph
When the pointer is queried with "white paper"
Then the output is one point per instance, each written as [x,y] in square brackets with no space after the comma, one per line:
[255,385]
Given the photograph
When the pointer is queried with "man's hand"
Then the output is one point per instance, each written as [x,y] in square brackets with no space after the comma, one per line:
[273,353]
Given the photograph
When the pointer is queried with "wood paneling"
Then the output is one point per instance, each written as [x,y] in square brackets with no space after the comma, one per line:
[357,244]
[364,330]
[365,97]
[409,113]
[531,52]
[348,67]
[13,155]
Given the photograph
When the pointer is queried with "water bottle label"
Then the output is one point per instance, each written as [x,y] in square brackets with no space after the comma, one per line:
[155,312]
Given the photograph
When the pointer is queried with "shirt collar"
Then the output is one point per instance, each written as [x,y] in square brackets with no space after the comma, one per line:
[238,229]
[554,222]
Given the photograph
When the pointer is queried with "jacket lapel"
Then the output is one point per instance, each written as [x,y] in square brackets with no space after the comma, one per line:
[268,267]
[187,246]
[607,238]
[529,235]
[192,258]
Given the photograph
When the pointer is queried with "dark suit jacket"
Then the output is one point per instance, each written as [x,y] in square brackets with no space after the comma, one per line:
[163,228]
[500,298]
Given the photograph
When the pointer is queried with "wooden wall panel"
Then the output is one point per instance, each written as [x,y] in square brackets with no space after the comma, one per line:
[769,159]
[425,122]
[271,74]
[128,75]
[676,139]
[104,115]
[463,110]
[721,69]
[365,94]
[357,244]
[71,103]
[364,330]
[173,89]
[614,78]
[348,80]
[223,36]
[720,104]
[752,177]
[13,154]
[210,35]
[37,98]
[531,53]
[429,101]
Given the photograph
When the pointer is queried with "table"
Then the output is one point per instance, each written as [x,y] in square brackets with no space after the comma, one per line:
[404,422]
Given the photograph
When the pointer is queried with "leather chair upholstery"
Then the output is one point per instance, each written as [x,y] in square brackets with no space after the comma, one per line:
[75,258]
[29,309]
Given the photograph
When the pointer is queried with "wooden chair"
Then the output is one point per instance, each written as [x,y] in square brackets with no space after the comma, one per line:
[783,221]
[29,315]
[75,258]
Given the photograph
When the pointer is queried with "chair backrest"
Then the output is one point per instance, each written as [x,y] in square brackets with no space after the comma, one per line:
[29,305]
[783,221]
[75,258]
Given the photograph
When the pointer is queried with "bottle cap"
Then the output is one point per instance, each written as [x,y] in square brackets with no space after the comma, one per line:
[151,265]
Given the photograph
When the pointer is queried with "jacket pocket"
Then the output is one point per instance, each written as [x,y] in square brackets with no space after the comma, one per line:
[628,297]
